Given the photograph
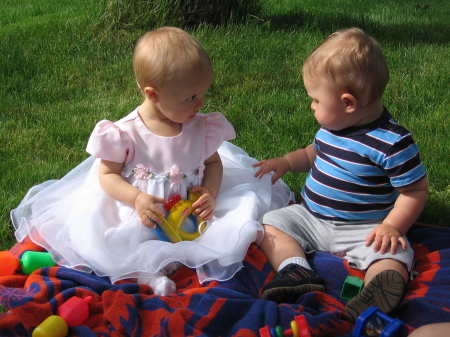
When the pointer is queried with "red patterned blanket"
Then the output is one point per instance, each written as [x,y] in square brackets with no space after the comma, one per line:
[230,308]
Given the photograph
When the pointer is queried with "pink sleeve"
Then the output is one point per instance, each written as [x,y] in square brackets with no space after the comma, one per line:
[108,142]
[218,130]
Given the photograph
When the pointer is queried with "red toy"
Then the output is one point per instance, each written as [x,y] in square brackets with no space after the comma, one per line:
[299,328]
[71,313]
[75,310]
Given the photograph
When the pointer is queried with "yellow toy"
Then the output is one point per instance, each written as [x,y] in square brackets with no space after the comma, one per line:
[180,211]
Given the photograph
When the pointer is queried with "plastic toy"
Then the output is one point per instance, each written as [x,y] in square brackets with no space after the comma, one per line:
[53,326]
[75,310]
[180,215]
[374,323]
[352,287]
[299,328]
[29,262]
[71,313]
[8,263]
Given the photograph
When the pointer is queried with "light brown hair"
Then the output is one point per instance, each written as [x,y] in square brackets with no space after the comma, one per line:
[163,53]
[352,61]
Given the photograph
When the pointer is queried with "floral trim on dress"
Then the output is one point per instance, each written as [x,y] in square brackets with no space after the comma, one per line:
[174,176]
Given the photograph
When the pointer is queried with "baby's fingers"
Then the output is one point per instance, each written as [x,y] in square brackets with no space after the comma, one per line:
[157,200]
[259,173]
[152,215]
[370,238]
[395,243]
[257,164]
[276,175]
[204,207]
[389,241]
[148,221]
[206,214]
[403,242]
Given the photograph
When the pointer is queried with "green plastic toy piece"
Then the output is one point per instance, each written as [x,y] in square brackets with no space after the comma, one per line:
[32,261]
[352,287]
[29,262]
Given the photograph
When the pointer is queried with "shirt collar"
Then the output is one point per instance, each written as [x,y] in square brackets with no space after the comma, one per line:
[363,129]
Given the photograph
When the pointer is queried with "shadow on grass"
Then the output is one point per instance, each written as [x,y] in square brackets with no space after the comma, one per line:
[437,211]
[405,34]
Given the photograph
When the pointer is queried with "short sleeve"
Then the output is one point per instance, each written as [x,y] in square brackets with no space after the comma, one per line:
[217,130]
[403,164]
[110,143]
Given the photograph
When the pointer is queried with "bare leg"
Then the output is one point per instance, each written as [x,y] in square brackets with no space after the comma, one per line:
[385,264]
[435,330]
[293,280]
[278,246]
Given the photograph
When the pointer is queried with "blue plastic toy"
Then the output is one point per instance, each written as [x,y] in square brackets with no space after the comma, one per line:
[374,323]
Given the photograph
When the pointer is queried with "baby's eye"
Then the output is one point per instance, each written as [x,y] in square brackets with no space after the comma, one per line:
[192,98]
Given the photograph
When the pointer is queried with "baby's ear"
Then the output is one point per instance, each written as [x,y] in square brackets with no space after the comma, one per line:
[351,102]
[151,93]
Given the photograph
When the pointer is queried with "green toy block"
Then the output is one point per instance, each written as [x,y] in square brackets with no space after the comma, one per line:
[352,287]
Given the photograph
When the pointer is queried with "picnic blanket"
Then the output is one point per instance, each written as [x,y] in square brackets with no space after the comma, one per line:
[230,308]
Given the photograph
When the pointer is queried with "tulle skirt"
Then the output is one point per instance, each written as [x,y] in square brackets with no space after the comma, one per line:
[86,229]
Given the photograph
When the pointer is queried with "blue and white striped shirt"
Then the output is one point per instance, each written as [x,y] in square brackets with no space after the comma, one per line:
[357,170]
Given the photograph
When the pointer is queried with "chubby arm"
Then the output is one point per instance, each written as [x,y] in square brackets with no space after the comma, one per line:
[407,208]
[297,161]
[112,183]
[212,179]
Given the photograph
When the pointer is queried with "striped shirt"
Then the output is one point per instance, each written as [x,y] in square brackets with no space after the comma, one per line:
[357,170]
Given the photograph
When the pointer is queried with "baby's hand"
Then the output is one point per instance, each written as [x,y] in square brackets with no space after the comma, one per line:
[384,235]
[147,210]
[204,206]
[278,165]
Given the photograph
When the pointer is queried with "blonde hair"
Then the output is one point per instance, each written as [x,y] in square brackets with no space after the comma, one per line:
[161,54]
[352,61]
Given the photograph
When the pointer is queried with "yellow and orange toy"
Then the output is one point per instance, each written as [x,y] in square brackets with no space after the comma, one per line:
[179,216]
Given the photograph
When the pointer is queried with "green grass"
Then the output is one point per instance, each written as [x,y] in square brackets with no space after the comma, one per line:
[60,73]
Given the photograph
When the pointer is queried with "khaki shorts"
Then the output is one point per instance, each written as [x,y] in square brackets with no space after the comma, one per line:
[346,238]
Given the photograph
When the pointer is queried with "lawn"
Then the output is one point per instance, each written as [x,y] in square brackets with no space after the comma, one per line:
[60,72]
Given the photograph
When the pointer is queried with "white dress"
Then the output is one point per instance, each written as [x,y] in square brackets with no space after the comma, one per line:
[86,229]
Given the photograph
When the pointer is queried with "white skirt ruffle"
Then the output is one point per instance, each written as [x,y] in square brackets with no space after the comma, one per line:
[86,229]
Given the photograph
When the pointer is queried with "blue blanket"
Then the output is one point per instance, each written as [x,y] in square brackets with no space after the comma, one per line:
[230,308]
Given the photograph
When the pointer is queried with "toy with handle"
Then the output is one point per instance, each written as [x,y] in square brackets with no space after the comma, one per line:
[179,213]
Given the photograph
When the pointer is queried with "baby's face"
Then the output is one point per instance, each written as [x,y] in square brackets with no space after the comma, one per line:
[183,97]
[329,109]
